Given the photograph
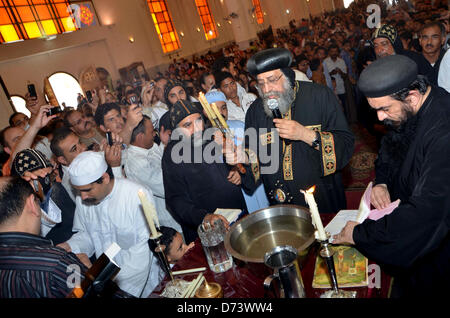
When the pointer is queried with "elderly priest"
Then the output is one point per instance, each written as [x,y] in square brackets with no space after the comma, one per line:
[300,136]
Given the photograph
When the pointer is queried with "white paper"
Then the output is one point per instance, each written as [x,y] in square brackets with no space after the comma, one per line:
[230,214]
[339,221]
[112,251]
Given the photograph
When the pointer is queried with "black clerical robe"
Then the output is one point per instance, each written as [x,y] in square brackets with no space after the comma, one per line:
[285,169]
[193,190]
[413,241]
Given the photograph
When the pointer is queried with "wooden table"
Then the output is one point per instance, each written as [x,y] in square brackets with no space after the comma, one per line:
[243,281]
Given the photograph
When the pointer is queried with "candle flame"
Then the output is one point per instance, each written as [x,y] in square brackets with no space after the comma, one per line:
[311,190]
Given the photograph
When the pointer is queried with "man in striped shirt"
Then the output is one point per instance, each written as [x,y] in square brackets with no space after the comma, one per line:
[30,265]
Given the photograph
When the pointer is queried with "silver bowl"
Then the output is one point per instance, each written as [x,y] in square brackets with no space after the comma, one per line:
[252,237]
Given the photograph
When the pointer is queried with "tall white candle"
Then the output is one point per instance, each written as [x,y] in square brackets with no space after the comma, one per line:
[149,212]
[309,198]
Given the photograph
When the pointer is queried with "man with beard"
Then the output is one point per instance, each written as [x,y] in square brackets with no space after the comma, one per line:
[195,186]
[304,141]
[386,41]
[412,243]
[108,210]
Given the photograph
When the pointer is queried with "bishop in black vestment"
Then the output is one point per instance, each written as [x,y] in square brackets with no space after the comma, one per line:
[315,142]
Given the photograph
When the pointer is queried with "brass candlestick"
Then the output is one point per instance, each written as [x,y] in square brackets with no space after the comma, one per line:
[156,241]
[209,290]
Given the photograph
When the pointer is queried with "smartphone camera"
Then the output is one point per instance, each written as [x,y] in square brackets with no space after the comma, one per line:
[54,111]
[89,96]
[133,100]
[109,138]
[32,90]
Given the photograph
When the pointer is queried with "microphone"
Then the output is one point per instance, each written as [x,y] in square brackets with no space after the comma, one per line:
[273,106]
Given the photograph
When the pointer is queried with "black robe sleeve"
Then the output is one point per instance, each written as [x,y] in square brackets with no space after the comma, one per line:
[420,224]
[337,140]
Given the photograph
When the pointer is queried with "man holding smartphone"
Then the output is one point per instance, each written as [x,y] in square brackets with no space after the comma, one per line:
[17,139]
[108,118]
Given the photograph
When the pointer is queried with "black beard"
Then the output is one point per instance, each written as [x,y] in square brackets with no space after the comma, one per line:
[399,126]
[397,140]
[90,201]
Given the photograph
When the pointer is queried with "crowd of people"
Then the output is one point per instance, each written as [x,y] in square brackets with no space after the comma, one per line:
[70,181]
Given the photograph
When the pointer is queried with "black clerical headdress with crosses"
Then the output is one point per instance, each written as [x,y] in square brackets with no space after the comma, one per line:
[29,160]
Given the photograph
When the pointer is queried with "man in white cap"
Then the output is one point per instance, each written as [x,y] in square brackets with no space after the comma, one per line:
[108,211]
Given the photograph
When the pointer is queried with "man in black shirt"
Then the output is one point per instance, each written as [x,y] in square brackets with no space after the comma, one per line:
[431,39]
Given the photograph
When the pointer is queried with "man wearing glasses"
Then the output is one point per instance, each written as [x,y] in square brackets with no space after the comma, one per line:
[302,137]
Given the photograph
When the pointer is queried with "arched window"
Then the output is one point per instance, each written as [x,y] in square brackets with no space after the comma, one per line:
[347,3]
[66,89]
[19,105]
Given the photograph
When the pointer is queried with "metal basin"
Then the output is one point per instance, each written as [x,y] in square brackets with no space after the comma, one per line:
[251,237]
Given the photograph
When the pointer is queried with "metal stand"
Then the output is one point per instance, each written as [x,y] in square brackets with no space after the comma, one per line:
[327,253]
[161,255]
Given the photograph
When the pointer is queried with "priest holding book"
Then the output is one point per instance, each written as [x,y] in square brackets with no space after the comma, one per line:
[412,243]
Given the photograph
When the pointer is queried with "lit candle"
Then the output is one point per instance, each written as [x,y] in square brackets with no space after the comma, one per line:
[150,213]
[309,198]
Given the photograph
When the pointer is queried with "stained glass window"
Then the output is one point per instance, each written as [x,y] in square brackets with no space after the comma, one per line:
[163,25]
[258,11]
[29,19]
[209,26]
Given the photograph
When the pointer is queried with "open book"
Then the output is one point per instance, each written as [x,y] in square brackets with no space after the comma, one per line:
[364,212]
[230,214]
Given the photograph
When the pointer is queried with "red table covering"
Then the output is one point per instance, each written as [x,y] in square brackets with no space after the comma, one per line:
[244,281]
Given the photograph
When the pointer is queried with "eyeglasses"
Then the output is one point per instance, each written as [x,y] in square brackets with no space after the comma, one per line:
[270,81]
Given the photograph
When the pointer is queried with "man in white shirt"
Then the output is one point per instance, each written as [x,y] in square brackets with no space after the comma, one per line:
[338,70]
[238,100]
[143,165]
[108,210]
[66,145]
[444,72]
